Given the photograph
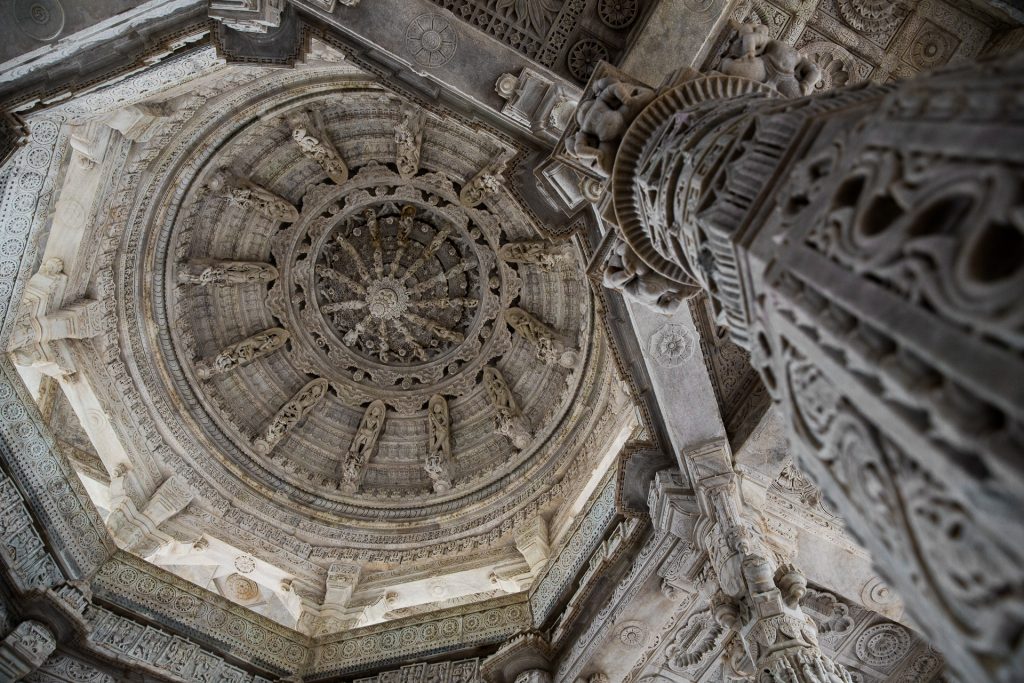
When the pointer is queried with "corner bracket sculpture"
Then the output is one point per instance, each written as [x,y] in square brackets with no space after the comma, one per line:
[291,415]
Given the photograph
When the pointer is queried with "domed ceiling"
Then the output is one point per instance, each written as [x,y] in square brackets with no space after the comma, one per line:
[353,340]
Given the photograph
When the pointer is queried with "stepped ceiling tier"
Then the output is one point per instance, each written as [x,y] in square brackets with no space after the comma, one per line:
[351,342]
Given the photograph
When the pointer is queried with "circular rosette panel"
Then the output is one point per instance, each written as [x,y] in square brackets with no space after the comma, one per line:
[392,289]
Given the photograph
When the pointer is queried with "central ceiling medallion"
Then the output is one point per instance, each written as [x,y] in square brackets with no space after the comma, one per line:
[392,288]
[398,288]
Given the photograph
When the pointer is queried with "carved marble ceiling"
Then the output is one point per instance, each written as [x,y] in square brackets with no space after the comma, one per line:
[335,337]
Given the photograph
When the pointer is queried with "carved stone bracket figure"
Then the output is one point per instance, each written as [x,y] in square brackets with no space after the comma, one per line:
[252,197]
[244,352]
[547,345]
[887,335]
[485,184]
[626,272]
[754,596]
[408,141]
[317,146]
[439,451]
[602,118]
[544,254]
[754,55]
[362,448]
[25,649]
[205,273]
[291,415]
[509,422]
[525,658]
[138,530]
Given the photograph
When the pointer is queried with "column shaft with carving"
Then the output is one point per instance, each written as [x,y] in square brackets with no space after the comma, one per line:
[865,245]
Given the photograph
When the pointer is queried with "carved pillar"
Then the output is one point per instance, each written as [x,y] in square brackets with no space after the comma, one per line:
[866,246]
[25,649]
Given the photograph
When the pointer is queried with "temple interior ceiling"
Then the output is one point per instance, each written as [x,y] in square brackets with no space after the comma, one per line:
[336,333]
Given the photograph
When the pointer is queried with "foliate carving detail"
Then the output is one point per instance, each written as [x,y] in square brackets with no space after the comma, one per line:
[439,454]
[754,54]
[872,17]
[408,141]
[244,352]
[251,197]
[634,635]
[208,272]
[362,448]
[509,421]
[547,345]
[319,149]
[694,642]
[291,415]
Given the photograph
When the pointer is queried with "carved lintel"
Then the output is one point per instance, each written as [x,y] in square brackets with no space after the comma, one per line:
[509,421]
[250,196]
[408,141]
[291,415]
[207,272]
[439,452]
[25,649]
[244,352]
[316,146]
[362,448]
[548,346]
[482,186]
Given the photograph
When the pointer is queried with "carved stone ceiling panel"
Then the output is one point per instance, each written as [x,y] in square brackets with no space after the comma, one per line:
[349,331]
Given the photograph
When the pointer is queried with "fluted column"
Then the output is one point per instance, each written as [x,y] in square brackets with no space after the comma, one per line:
[866,245]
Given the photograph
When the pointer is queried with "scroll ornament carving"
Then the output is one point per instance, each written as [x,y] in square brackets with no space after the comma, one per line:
[482,186]
[362,448]
[439,456]
[542,254]
[509,421]
[243,352]
[626,272]
[603,118]
[207,272]
[408,141]
[320,150]
[548,346]
[755,55]
[251,197]
[291,415]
